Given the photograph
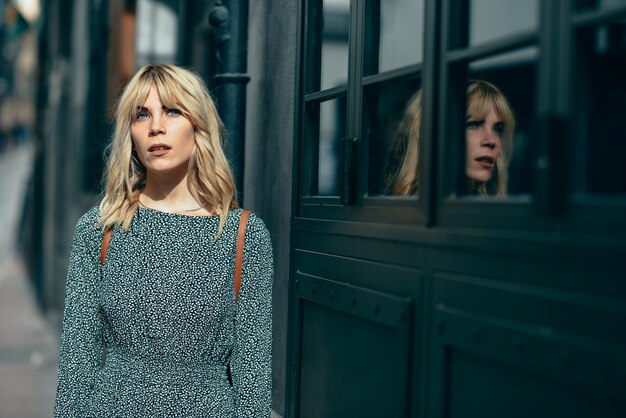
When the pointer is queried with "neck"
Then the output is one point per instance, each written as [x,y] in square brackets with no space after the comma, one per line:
[168,192]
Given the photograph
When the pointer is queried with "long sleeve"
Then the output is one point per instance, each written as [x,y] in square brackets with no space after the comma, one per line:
[81,339]
[252,354]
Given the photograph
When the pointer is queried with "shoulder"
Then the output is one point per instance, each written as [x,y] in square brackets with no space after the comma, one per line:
[88,224]
[87,234]
[89,220]
[254,223]
[258,252]
[256,230]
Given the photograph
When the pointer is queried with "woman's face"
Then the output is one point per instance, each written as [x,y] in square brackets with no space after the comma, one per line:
[483,145]
[163,137]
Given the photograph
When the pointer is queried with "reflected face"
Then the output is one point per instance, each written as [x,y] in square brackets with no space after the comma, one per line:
[163,137]
[483,145]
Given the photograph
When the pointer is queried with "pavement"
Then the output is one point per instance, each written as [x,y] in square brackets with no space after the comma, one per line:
[28,342]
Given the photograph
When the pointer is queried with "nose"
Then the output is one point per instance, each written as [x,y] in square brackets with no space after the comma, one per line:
[156,126]
[489,139]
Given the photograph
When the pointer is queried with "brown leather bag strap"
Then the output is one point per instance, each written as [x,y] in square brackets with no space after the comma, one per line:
[239,256]
[105,245]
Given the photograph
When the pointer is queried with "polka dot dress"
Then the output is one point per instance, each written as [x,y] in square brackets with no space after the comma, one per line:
[151,334]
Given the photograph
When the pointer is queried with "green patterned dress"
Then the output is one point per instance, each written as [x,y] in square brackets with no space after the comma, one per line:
[151,333]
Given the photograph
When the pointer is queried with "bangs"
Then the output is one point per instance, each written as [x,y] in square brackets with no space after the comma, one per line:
[170,92]
[138,96]
[479,104]
[171,96]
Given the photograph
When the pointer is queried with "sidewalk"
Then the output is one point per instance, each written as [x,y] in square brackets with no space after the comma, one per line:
[28,344]
[28,349]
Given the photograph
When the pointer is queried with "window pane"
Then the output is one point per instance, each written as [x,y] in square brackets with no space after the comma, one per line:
[392,120]
[335,31]
[495,19]
[397,28]
[157,30]
[499,98]
[600,108]
[332,128]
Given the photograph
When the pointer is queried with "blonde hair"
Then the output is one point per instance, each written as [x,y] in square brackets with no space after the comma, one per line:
[481,97]
[210,179]
[403,159]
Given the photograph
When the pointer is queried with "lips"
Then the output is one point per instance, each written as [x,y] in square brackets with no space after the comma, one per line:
[157,150]
[486,162]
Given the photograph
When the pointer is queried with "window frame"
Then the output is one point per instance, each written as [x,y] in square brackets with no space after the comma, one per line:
[551,205]
[354,202]
[466,211]
[587,212]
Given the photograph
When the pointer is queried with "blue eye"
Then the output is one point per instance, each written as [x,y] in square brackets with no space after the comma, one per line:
[473,124]
[174,112]
[498,128]
[141,115]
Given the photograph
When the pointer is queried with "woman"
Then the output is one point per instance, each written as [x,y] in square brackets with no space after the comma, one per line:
[157,330]
[489,127]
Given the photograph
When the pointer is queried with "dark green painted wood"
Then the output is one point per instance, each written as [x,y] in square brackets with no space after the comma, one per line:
[514,311]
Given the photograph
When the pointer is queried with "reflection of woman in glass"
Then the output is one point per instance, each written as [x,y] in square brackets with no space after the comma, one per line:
[489,130]
[153,326]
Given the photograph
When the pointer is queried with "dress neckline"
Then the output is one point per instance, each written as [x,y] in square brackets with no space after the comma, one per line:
[159,212]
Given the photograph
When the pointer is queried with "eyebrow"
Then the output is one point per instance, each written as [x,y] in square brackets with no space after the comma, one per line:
[146,109]
[468,118]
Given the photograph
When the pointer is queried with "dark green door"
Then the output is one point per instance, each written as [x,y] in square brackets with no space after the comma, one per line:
[460,228]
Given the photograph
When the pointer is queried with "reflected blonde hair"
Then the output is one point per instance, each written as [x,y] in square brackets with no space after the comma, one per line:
[403,160]
[402,168]
[210,179]
[481,97]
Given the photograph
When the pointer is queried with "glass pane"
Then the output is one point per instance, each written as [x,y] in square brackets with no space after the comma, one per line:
[332,128]
[334,54]
[498,125]
[494,19]
[397,28]
[600,108]
[588,5]
[157,30]
[392,123]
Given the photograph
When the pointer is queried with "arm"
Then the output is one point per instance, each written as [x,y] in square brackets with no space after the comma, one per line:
[81,339]
[252,354]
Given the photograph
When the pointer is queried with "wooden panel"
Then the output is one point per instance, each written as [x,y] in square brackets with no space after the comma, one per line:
[552,310]
[354,347]
[504,349]
[482,387]
[382,277]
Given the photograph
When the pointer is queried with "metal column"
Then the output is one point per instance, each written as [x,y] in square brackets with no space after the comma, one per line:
[230,20]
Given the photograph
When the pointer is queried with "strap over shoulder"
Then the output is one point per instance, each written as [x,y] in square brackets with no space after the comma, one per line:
[239,256]
[105,245]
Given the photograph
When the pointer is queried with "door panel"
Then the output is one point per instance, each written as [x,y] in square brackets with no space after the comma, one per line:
[517,350]
[354,350]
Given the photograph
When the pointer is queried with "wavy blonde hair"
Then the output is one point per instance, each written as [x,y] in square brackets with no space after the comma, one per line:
[210,179]
[403,160]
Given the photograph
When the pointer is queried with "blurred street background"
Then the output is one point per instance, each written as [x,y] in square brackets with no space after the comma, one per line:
[28,338]
[28,341]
